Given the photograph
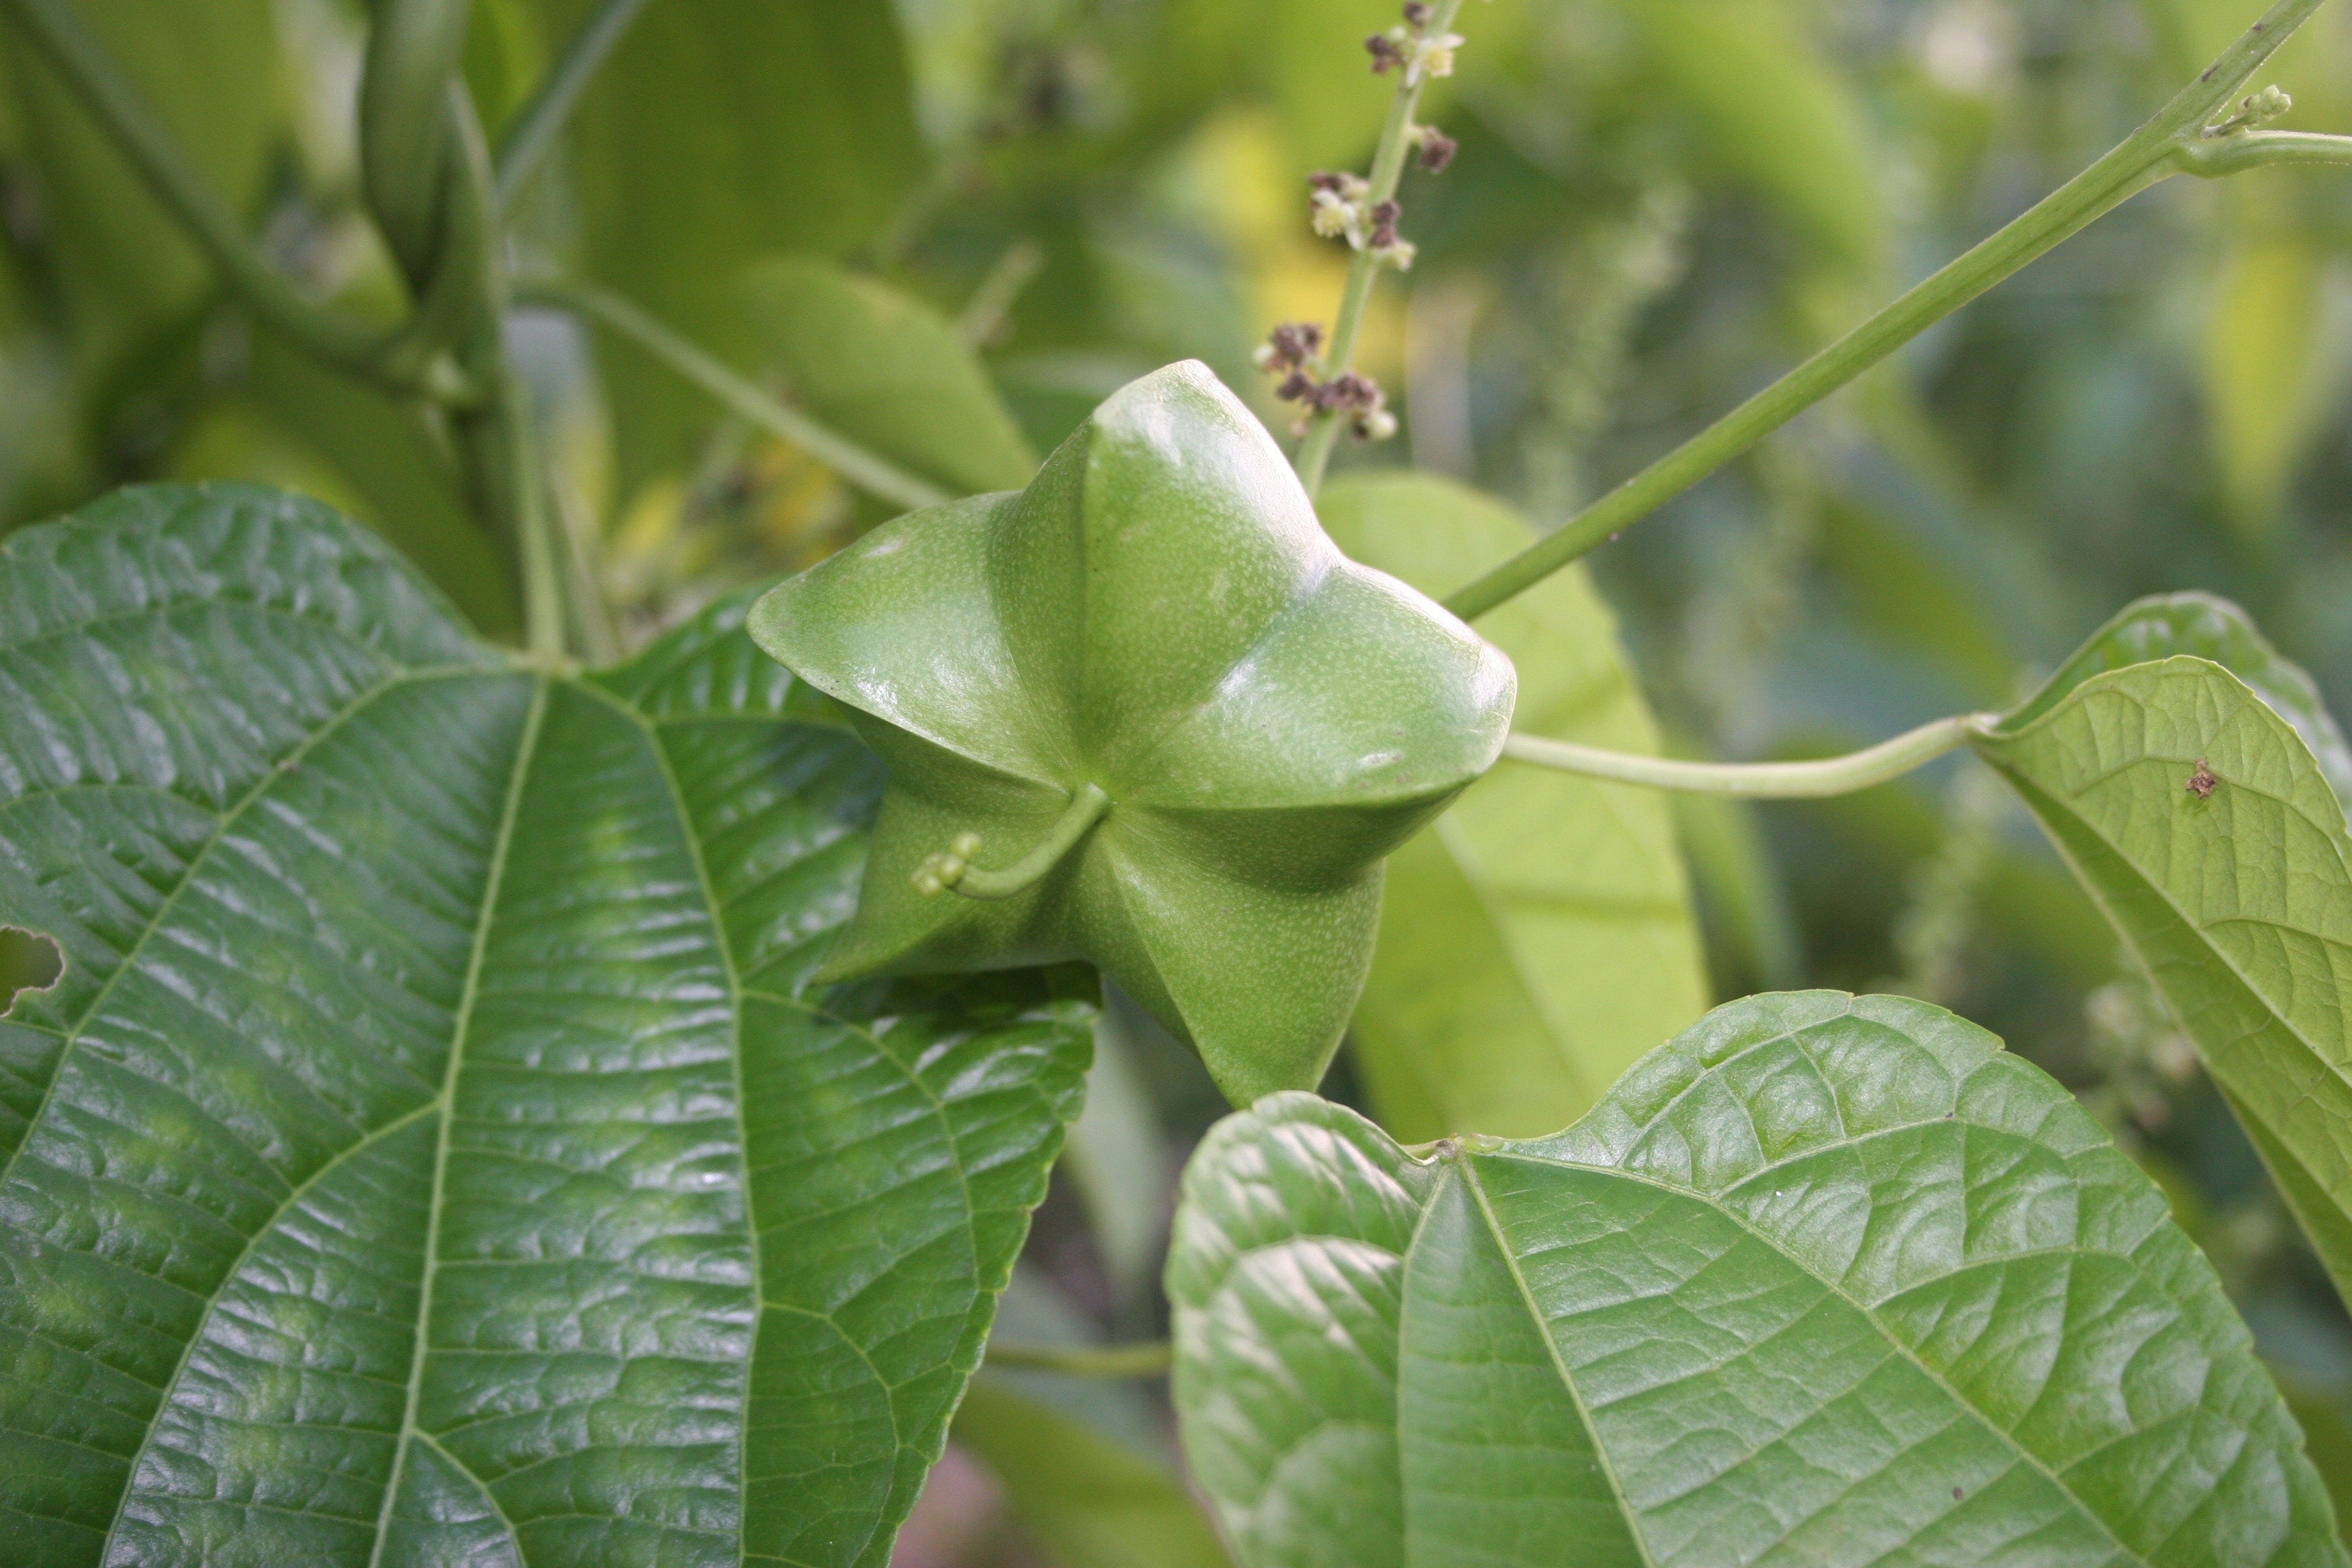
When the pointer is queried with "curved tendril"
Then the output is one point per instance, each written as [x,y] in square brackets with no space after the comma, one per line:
[954,869]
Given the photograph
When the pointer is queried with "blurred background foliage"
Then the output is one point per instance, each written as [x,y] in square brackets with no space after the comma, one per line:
[948,227]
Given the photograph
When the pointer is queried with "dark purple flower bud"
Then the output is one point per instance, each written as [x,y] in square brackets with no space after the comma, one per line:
[1437,149]
[1387,54]
[1384,216]
[1416,13]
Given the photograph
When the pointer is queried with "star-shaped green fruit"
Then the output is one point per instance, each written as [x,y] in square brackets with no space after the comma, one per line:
[1144,712]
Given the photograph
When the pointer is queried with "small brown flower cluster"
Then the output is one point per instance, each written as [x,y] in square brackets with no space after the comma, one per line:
[1412,48]
[1342,209]
[1290,353]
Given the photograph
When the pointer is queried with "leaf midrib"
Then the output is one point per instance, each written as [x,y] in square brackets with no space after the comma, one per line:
[2032,791]
[1961,1403]
[1468,1175]
[460,1031]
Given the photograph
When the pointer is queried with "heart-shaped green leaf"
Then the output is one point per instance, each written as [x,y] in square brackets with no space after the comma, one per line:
[433,1151]
[1824,1281]
[1537,939]
[2184,769]
[1154,667]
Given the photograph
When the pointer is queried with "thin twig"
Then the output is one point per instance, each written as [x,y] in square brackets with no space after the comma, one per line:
[2149,155]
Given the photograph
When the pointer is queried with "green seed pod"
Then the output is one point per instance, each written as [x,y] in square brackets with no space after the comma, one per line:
[1144,712]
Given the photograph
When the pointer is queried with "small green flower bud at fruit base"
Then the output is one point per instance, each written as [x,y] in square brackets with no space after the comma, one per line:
[1186,729]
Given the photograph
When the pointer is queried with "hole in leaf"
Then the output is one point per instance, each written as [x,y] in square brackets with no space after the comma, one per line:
[29,961]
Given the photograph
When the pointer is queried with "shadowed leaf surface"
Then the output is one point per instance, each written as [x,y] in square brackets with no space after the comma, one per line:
[1538,938]
[1825,1280]
[432,1150]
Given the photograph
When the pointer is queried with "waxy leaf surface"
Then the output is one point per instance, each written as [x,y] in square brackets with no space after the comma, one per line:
[1158,615]
[2236,895]
[1824,1281]
[433,1151]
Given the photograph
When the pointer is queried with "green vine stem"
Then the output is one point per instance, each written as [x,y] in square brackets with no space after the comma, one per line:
[527,140]
[837,452]
[469,290]
[1388,170]
[1757,781]
[54,29]
[1151,1360]
[414,48]
[2176,140]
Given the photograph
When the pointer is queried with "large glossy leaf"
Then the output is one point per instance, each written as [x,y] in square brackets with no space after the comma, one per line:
[1824,1281]
[1538,938]
[885,370]
[431,1151]
[2236,894]
[720,132]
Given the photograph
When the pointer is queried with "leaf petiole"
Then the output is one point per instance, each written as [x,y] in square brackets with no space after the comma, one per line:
[837,452]
[1880,764]
[2226,155]
[1150,1360]
[2168,144]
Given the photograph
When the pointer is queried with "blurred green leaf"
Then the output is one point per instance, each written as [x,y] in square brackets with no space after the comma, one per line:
[210,70]
[396,476]
[720,132]
[506,53]
[1086,1463]
[2266,381]
[1773,113]
[1117,1151]
[2181,795]
[1747,908]
[1319,75]
[885,370]
[1538,938]
[1090,1499]
[1827,1281]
